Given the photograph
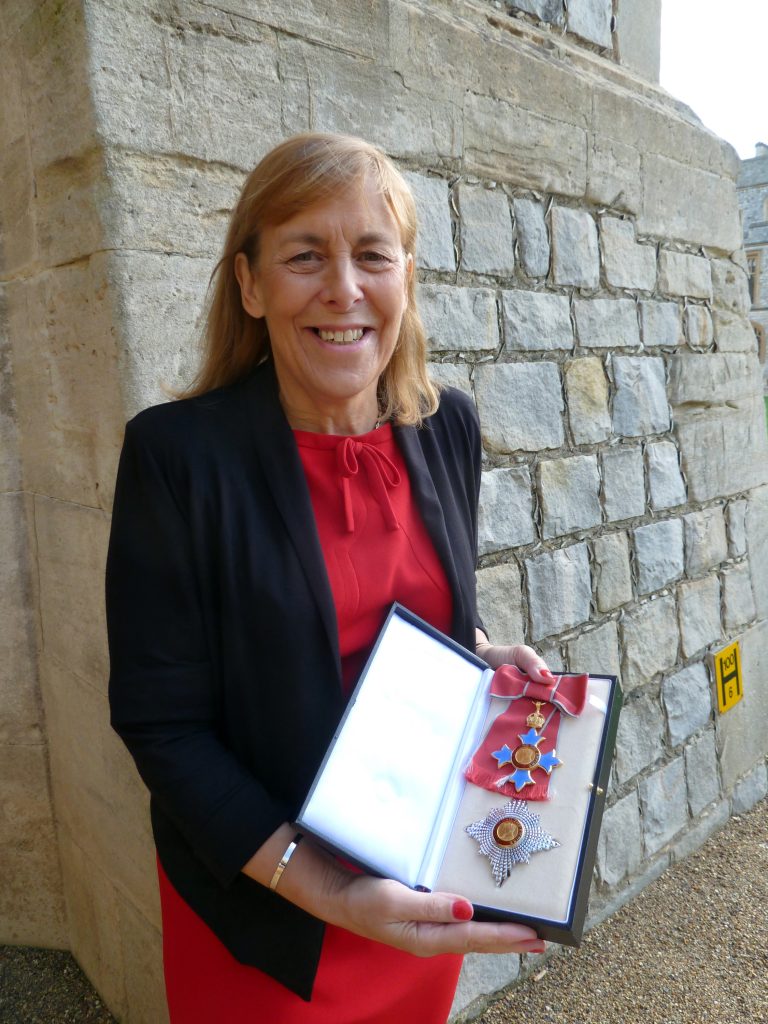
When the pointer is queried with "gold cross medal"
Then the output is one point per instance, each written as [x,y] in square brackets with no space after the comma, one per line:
[508,835]
[526,757]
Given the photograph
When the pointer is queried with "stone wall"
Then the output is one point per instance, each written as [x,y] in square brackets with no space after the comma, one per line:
[753,200]
[581,276]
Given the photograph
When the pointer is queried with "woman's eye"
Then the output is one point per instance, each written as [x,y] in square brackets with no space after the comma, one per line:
[373,257]
[304,257]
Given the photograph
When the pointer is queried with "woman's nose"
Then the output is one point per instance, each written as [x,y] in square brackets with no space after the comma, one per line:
[342,283]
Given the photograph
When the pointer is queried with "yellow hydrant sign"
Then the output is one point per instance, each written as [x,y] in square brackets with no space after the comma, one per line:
[728,677]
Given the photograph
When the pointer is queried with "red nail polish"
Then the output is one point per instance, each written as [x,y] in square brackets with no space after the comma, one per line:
[462,910]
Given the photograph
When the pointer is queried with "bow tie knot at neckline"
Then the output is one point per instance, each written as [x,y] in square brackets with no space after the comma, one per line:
[381,472]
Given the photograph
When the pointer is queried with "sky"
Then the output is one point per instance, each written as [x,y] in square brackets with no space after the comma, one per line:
[714,57]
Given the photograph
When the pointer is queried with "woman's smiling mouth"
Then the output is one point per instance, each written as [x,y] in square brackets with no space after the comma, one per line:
[346,337]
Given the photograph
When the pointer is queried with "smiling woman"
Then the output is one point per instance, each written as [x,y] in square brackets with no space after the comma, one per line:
[262,527]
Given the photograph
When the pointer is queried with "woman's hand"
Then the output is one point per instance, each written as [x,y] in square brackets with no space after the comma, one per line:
[520,655]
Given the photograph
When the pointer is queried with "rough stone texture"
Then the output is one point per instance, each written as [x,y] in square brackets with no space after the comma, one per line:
[532,237]
[664,805]
[687,702]
[607,323]
[665,482]
[536,321]
[736,523]
[548,10]
[658,554]
[640,403]
[749,790]
[640,737]
[660,324]
[435,250]
[627,264]
[698,326]
[757,545]
[506,510]
[699,606]
[741,731]
[559,590]
[705,541]
[612,571]
[596,651]
[730,287]
[459,319]
[623,483]
[738,600]
[486,231]
[619,849]
[569,490]
[575,252]
[521,406]
[701,773]
[451,375]
[499,602]
[483,972]
[685,275]
[591,19]
[733,333]
[650,640]
[587,396]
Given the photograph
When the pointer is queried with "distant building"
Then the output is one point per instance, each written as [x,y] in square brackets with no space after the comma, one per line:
[753,200]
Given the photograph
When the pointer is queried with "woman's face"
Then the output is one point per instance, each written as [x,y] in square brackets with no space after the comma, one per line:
[331,283]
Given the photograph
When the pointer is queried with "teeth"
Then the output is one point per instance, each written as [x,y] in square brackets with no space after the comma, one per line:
[341,337]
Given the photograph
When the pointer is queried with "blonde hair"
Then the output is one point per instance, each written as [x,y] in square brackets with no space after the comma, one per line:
[303,170]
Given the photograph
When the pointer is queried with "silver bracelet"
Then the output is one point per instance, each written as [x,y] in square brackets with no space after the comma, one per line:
[284,861]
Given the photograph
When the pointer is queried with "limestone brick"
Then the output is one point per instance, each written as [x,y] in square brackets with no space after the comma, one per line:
[620,846]
[623,482]
[736,523]
[664,805]
[596,651]
[506,511]
[614,172]
[687,702]
[559,590]
[738,600]
[435,248]
[569,490]
[650,640]
[734,333]
[640,403]
[699,610]
[665,481]
[730,288]
[143,951]
[550,11]
[613,575]
[606,323]
[640,737]
[698,326]
[701,773]
[710,379]
[705,541]
[575,252]
[499,601]
[710,822]
[532,237]
[682,274]
[757,545]
[451,375]
[587,390]
[660,324]
[459,319]
[486,231]
[536,321]
[742,734]
[591,20]
[627,264]
[521,406]
[750,789]
[658,554]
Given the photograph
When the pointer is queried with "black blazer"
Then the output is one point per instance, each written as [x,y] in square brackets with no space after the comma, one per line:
[223,638]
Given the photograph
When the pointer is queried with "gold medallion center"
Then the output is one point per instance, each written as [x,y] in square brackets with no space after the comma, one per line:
[508,831]
[526,756]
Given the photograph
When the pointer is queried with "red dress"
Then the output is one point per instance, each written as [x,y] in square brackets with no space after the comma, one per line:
[376,551]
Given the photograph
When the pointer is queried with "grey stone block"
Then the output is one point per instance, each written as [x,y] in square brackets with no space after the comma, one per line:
[664,805]
[596,651]
[620,846]
[627,264]
[532,237]
[650,640]
[640,737]
[521,406]
[738,599]
[742,732]
[734,333]
[587,390]
[570,494]
[658,554]
[575,253]
[698,326]
[500,602]
[486,231]
[736,523]
[606,323]
[614,173]
[687,700]
[699,610]
[730,287]
[613,575]
[682,274]
[697,834]
[536,321]
[451,375]
[640,403]
[660,323]
[559,590]
[481,974]
[506,509]
[623,483]
[550,11]
[701,772]
[710,378]
[459,319]
[665,482]
[705,542]
[591,20]
[434,250]
[750,789]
